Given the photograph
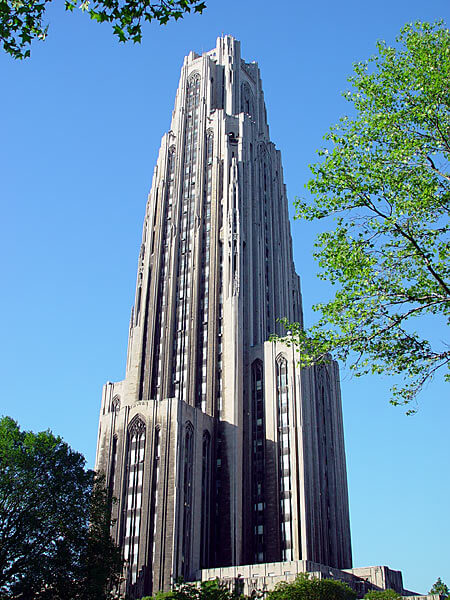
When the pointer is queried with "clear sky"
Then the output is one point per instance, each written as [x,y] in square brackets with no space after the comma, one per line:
[81,124]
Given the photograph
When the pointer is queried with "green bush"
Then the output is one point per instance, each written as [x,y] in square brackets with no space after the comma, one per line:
[310,588]
[382,595]
[208,590]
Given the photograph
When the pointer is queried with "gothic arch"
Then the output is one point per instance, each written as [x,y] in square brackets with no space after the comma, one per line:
[115,404]
[194,76]
[187,497]
[133,494]
[205,524]
[258,432]
[262,150]
[247,99]
[281,357]
[284,463]
[136,425]
[193,81]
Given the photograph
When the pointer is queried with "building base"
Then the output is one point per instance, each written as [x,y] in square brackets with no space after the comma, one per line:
[249,579]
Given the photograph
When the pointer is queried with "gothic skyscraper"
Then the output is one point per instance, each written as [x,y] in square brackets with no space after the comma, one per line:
[219,448]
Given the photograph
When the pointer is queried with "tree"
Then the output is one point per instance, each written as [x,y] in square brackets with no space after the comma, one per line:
[384,179]
[305,587]
[208,590]
[388,594]
[54,521]
[21,21]
[440,588]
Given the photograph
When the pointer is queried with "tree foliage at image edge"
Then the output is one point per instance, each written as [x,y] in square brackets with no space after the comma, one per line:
[22,21]
[54,521]
[384,179]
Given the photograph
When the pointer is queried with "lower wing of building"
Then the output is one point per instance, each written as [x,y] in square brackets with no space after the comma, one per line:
[174,470]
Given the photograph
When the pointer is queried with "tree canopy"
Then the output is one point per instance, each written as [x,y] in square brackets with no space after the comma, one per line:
[384,180]
[306,587]
[439,587]
[22,21]
[55,539]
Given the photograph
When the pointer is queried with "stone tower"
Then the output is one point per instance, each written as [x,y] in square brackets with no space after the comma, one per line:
[219,449]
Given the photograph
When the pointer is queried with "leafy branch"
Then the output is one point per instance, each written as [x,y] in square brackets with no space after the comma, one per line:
[22,21]
[388,254]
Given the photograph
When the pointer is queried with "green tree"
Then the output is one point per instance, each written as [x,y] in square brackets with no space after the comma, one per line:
[440,588]
[22,21]
[305,587]
[55,539]
[384,180]
[208,590]
[388,594]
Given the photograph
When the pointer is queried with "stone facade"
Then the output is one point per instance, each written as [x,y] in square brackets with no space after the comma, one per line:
[248,579]
[219,449]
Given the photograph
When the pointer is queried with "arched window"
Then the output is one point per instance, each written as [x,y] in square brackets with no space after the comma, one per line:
[187,497]
[247,100]
[258,461]
[284,463]
[155,481]
[206,500]
[133,499]
[112,466]
[115,404]
[193,83]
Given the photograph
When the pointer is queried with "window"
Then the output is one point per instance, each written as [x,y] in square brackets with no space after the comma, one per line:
[155,481]
[206,499]
[162,283]
[258,457]
[284,458]
[187,499]
[112,469]
[135,471]
[186,224]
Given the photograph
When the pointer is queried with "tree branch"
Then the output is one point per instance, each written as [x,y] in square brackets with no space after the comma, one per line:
[436,170]
[409,237]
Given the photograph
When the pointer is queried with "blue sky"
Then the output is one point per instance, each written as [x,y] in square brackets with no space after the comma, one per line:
[81,123]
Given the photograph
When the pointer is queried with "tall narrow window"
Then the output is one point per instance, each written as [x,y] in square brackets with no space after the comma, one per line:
[155,480]
[185,228]
[187,497]
[220,334]
[112,468]
[161,306]
[206,500]
[326,449]
[202,330]
[247,100]
[133,504]
[284,463]
[258,460]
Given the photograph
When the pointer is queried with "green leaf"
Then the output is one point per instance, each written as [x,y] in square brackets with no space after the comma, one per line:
[387,253]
